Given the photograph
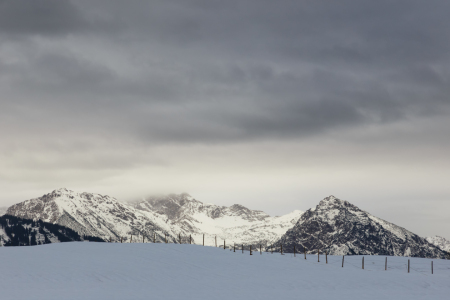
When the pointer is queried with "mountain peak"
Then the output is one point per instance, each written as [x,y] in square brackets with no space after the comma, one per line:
[62,191]
[332,201]
[342,228]
[238,207]
[58,193]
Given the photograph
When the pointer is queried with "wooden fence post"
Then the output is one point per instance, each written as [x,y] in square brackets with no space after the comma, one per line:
[242,248]
[304,251]
[318,255]
[203,239]
[165,237]
[431,267]
[408,265]
[215,237]
[234,247]
[385,264]
[110,239]
[281,245]
[251,250]
[179,238]
[131,240]
[260,249]
[223,244]
[120,239]
[271,249]
[294,250]
[363,263]
[190,239]
[143,241]
[326,256]
[342,260]
[154,237]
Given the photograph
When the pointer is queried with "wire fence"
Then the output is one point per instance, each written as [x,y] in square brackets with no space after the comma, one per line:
[375,263]
[370,263]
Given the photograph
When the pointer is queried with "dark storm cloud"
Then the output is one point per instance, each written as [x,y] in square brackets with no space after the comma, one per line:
[49,18]
[191,70]
[43,17]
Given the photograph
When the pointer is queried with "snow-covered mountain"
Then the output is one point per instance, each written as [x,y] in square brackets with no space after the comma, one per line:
[339,228]
[93,215]
[440,242]
[174,215]
[334,225]
[234,224]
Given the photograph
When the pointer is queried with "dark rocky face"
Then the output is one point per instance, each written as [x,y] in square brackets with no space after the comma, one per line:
[341,228]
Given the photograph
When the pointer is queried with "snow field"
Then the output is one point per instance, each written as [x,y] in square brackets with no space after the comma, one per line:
[80,270]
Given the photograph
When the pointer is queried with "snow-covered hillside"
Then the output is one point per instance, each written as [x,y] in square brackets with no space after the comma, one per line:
[340,227]
[169,271]
[440,242]
[235,224]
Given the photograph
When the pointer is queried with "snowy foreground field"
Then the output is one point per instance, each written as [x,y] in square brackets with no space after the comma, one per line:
[169,271]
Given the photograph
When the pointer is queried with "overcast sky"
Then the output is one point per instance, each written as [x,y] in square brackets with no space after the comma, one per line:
[270,104]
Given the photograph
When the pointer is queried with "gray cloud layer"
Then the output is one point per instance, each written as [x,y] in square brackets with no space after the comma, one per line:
[104,85]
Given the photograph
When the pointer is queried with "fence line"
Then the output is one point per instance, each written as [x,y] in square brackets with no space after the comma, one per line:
[366,262]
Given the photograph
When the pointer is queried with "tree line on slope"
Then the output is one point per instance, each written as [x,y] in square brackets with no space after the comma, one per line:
[26,232]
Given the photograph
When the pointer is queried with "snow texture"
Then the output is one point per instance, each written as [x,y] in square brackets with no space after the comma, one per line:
[78,270]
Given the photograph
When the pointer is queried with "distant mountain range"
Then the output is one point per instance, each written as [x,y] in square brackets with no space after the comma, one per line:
[169,216]
[341,228]
[335,226]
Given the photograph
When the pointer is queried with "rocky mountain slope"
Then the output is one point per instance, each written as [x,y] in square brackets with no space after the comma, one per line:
[340,227]
[93,215]
[16,231]
[234,224]
[439,242]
